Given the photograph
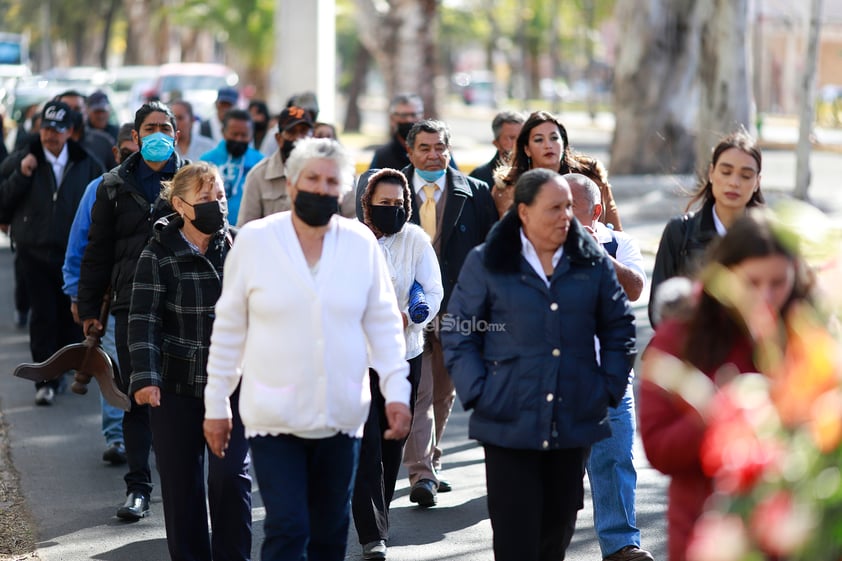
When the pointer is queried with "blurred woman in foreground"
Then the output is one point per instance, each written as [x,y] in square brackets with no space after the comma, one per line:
[720,334]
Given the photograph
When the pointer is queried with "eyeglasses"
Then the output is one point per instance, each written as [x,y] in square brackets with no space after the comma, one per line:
[406,115]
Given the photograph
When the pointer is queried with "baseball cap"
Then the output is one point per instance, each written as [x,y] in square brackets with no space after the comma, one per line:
[99,100]
[292,116]
[228,95]
[57,115]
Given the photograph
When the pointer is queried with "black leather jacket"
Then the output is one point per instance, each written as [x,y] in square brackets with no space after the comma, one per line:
[682,248]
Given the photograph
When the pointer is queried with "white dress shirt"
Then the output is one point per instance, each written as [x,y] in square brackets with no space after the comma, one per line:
[531,255]
[58,163]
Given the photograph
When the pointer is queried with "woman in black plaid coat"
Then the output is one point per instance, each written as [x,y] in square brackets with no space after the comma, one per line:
[177,283]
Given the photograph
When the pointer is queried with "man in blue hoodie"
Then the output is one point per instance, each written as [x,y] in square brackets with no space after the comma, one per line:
[234,157]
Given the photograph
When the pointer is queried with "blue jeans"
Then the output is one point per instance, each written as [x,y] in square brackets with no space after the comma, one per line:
[614,480]
[112,417]
[306,486]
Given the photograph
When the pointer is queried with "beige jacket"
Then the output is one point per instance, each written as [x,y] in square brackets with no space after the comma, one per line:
[265,191]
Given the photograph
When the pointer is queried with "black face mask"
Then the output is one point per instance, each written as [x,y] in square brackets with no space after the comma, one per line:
[314,209]
[387,219]
[236,147]
[260,126]
[403,129]
[210,216]
[286,149]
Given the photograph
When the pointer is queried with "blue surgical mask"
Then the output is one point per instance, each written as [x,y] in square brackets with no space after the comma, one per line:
[430,176]
[156,147]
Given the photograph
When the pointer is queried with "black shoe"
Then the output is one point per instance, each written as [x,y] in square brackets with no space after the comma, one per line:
[444,486]
[115,454]
[423,493]
[135,507]
[630,553]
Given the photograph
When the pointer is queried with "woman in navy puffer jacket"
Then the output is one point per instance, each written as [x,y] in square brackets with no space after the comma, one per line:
[519,345]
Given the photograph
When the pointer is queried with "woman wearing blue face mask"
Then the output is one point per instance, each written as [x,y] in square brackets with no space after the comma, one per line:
[176,285]
[386,205]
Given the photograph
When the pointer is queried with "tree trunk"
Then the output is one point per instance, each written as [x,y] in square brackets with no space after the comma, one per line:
[353,116]
[402,41]
[140,36]
[79,44]
[808,92]
[655,87]
[723,71]
[113,6]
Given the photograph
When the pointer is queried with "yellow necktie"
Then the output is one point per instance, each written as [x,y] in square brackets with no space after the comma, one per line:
[428,210]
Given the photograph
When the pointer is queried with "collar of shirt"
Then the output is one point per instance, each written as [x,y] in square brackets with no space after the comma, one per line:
[418,183]
[58,162]
[603,233]
[145,172]
[531,255]
[717,223]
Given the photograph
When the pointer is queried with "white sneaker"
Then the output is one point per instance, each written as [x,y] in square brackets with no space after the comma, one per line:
[45,395]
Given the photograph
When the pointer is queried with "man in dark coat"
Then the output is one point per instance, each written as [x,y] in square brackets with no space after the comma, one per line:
[127,205]
[457,212]
[41,196]
[506,127]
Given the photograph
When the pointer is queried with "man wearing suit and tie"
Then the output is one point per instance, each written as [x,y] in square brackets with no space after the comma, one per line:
[457,212]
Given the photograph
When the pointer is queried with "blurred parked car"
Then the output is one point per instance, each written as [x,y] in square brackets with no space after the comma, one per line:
[84,79]
[197,83]
[478,88]
[33,90]
[126,84]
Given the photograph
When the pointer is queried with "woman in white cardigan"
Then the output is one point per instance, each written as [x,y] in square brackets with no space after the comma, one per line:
[307,305]
[386,205]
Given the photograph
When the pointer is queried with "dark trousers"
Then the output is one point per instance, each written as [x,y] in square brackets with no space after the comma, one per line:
[21,292]
[180,456]
[534,519]
[137,433]
[51,324]
[306,487]
[380,461]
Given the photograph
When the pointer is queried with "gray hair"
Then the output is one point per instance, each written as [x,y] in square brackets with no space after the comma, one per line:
[591,189]
[428,125]
[307,149]
[407,99]
[503,118]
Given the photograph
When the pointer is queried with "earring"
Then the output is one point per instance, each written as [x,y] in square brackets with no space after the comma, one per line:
[529,162]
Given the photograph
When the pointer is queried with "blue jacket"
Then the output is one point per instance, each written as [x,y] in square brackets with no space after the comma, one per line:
[521,354]
[233,172]
[78,240]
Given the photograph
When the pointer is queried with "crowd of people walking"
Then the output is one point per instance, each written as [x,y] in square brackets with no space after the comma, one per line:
[259,326]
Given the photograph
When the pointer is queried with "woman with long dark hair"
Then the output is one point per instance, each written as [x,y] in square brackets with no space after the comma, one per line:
[732,185]
[543,143]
